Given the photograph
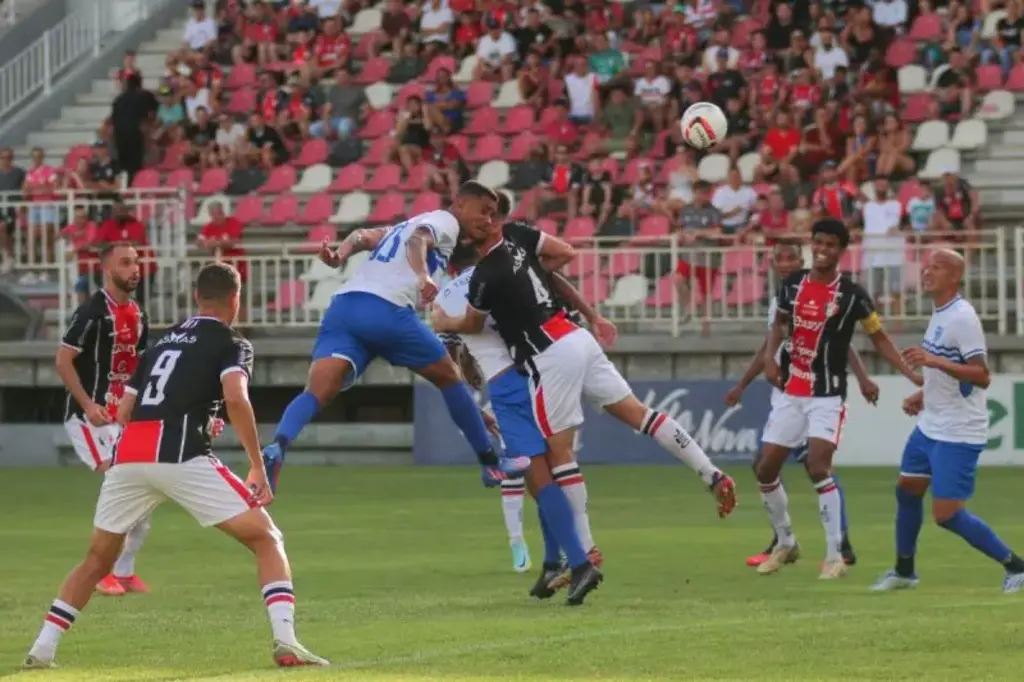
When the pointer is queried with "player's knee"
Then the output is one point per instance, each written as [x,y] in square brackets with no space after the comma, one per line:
[442,373]
[916,487]
[943,510]
[326,378]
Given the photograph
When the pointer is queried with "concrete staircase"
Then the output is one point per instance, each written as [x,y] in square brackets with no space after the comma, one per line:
[79,123]
[997,171]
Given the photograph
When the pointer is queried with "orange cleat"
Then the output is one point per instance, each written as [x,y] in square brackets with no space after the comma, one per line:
[724,490]
[757,559]
[111,587]
[133,584]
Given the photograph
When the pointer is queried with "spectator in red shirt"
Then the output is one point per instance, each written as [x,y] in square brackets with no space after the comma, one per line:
[781,145]
[207,75]
[533,81]
[259,37]
[446,170]
[771,220]
[222,237]
[561,131]
[80,237]
[331,49]
[834,198]
[127,68]
[559,188]
[467,33]
[122,226]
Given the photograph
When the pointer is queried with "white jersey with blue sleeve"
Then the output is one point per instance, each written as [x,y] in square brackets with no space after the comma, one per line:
[387,273]
[954,412]
[490,351]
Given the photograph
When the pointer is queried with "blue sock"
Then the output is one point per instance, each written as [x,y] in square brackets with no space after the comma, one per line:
[466,416]
[555,507]
[843,520]
[299,412]
[977,533]
[552,554]
[909,517]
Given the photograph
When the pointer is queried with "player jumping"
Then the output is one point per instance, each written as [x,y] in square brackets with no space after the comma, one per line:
[952,429]
[565,363]
[164,453]
[818,309]
[786,259]
[97,357]
[374,315]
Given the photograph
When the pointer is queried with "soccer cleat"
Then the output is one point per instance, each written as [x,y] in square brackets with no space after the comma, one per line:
[508,467]
[549,573]
[892,581]
[273,460]
[521,557]
[111,587]
[779,557]
[1013,582]
[35,663]
[133,584]
[833,570]
[296,655]
[756,560]
[849,558]
[585,580]
[565,576]
[595,556]
[724,490]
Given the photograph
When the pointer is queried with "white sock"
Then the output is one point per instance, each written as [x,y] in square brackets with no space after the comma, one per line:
[59,620]
[776,503]
[674,438]
[513,495]
[124,567]
[570,479]
[279,597]
[831,518]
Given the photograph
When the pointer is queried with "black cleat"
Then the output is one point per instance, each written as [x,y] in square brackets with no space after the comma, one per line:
[849,558]
[585,579]
[548,574]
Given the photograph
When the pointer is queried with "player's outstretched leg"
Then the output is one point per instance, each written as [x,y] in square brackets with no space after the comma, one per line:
[513,495]
[256,530]
[124,568]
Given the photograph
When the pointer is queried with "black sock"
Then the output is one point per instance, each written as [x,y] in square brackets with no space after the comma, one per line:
[846,546]
[904,566]
[488,459]
[1014,564]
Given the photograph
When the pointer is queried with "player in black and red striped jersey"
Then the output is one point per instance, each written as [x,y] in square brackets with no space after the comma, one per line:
[164,452]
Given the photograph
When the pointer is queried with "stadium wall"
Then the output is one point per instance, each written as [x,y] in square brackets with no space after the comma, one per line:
[34,20]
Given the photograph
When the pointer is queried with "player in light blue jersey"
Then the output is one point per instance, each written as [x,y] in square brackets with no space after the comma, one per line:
[951,432]
[374,315]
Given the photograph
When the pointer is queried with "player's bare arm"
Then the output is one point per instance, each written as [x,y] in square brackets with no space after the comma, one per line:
[416,248]
[127,404]
[775,338]
[365,239]
[872,326]
[471,323]
[913,403]
[753,370]
[555,253]
[242,417]
[69,377]
[604,330]
[975,372]
[868,388]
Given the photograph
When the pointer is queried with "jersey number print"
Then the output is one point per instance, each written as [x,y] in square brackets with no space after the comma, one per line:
[159,376]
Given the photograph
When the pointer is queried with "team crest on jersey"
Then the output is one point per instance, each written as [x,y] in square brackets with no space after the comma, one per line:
[833,305]
[518,258]
[937,334]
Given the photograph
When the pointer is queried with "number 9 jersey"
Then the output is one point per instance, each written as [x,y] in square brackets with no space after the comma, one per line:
[387,273]
[178,391]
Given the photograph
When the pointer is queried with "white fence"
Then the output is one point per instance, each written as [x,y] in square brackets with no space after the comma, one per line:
[637,286]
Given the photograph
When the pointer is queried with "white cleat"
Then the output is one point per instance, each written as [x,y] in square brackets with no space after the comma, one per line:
[36,663]
[833,570]
[779,557]
[892,581]
[521,557]
[1013,582]
[296,655]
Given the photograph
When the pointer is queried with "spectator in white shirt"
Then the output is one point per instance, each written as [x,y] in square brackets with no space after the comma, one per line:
[829,55]
[200,30]
[436,24]
[889,13]
[721,41]
[735,201]
[326,8]
[581,89]
[652,92]
[195,98]
[494,48]
[883,247]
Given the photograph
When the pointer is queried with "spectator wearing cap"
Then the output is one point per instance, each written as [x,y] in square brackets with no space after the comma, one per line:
[652,91]
[535,36]
[735,201]
[882,246]
[959,205]
[558,188]
[395,29]
[700,225]
[781,145]
[446,171]
[494,49]
[200,30]
[861,157]
[446,104]
[890,14]
[581,88]
[835,197]
[720,54]
[345,107]
[621,120]
[533,80]
[436,21]
[607,63]
[412,135]
[408,66]
[267,141]
[170,116]
[260,35]
[830,55]
[726,82]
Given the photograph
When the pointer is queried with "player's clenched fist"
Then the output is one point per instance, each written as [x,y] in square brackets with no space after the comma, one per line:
[259,485]
[913,404]
[428,290]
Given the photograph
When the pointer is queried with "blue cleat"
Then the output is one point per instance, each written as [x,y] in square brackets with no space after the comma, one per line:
[508,467]
[273,460]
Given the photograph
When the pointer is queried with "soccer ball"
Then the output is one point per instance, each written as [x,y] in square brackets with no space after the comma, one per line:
[704,125]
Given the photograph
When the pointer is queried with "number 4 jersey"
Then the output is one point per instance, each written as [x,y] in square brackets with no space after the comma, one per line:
[178,391]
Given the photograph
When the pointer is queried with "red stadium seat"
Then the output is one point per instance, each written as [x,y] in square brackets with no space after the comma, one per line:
[926,28]
[385,178]
[249,209]
[378,124]
[746,290]
[479,95]
[547,117]
[611,166]
[214,180]
[437,63]
[624,263]
[374,70]
[284,209]
[482,122]
[318,209]
[322,232]
[740,259]
[632,171]
[988,77]
[461,143]
[183,177]
[594,288]
[425,202]
[409,90]
[851,261]
[917,107]
[487,148]
[415,179]
[387,208]
[1015,81]
[313,152]
[79,151]
[241,76]
[517,120]
[349,178]
[547,226]
[742,31]
[281,179]
[243,101]
[900,53]
[290,294]
[174,157]
[653,226]
[586,264]
[362,48]
[146,179]
[579,230]
[664,291]
[520,147]
[379,151]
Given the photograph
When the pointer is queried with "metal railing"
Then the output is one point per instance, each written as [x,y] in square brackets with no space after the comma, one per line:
[77,37]
[642,287]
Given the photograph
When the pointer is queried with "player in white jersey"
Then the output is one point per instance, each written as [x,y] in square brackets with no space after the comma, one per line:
[951,431]
[374,315]
[786,259]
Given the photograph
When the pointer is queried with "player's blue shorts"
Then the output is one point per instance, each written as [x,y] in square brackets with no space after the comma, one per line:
[360,326]
[512,403]
[951,466]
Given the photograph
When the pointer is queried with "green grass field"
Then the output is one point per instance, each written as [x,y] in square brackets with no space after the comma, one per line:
[404,574]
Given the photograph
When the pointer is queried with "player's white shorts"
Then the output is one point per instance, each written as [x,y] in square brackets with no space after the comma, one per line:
[203,486]
[93,444]
[795,419]
[573,368]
